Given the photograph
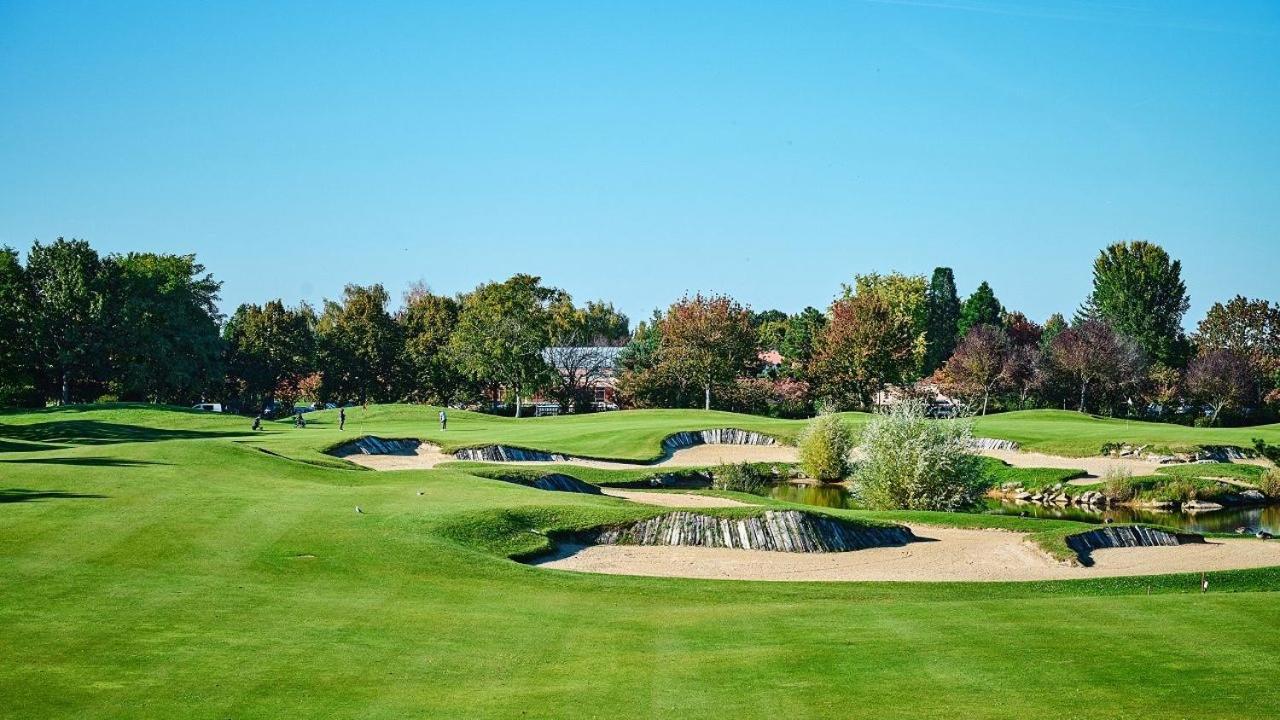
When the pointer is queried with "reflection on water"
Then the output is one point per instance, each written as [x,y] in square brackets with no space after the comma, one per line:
[832,496]
[1221,521]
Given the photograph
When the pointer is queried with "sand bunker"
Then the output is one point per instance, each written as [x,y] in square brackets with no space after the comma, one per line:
[673,499]
[414,455]
[942,554]
[1096,466]
[696,456]
[422,457]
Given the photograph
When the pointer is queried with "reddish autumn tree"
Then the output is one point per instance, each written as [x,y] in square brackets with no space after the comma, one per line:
[979,364]
[1250,328]
[864,346]
[1022,331]
[1222,378]
[1093,355]
[706,341]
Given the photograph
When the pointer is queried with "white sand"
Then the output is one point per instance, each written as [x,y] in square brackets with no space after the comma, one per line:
[954,555]
[1096,466]
[427,456]
[673,499]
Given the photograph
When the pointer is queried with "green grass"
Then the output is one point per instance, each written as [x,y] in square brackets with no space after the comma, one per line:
[1061,432]
[1001,472]
[1232,471]
[159,564]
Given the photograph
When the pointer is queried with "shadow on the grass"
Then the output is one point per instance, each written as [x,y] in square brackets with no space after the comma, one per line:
[96,432]
[83,462]
[19,495]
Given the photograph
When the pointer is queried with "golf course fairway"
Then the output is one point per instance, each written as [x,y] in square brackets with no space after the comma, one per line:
[163,563]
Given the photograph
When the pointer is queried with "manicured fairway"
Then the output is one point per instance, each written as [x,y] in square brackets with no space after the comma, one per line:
[158,564]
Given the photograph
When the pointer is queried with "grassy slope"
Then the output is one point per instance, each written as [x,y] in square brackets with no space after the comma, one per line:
[1061,432]
[175,574]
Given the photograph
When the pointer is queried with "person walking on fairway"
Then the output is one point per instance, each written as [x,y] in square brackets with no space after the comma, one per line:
[342,418]
[444,420]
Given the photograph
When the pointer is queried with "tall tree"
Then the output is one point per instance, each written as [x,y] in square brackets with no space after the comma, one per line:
[69,314]
[980,308]
[15,324]
[1094,355]
[798,340]
[641,380]
[907,297]
[427,321]
[165,345]
[864,346]
[1053,327]
[600,323]
[269,347]
[583,349]
[502,331]
[1223,378]
[359,345]
[979,364]
[707,341]
[942,318]
[1022,331]
[1138,289]
[1250,328]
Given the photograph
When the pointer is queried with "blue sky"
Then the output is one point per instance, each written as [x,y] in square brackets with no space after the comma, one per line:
[766,150]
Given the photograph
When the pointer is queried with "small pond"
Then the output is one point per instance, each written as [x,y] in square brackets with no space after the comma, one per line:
[1221,521]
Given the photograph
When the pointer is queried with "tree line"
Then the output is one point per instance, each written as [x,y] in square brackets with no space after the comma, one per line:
[79,327]
[1124,351]
[76,326]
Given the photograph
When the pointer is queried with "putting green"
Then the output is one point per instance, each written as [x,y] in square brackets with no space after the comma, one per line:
[161,563]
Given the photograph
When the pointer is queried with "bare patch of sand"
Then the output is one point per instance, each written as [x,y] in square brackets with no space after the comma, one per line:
[696,456]
[943,554]
[672,499]
[426,456]
[1097,466]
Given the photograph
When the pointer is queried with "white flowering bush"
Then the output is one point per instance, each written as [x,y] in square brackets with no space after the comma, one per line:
[914,463]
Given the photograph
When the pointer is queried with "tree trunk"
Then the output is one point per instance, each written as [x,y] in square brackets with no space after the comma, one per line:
[707,401]
[1083,385]
[985,394]
[1216,409]
[66,391]
[518,404]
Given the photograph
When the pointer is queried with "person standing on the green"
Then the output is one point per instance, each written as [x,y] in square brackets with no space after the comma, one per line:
[342,418]
[444,420]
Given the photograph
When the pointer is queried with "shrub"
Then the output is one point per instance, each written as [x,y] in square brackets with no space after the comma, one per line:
[1268,451]
[1118,485]
[1269,483]
[914,463]
[825,444]
[740,477]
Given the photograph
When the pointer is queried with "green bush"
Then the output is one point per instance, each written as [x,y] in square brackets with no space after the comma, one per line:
[1118,485]
[1269,483]
[740,477]
[825,444]
[913,463]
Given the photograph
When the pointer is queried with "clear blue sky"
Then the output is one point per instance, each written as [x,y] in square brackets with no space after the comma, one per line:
[766,150]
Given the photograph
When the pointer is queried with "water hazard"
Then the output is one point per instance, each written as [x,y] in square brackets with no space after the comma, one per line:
[1226,520]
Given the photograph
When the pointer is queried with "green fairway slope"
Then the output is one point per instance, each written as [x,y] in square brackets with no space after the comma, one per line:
[1064,432]
[158,564]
